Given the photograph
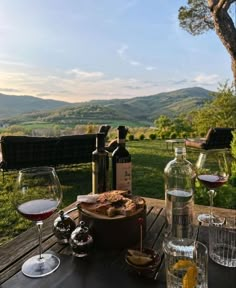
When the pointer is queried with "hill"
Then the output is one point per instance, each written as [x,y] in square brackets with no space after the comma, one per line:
[136,111]
[11,105]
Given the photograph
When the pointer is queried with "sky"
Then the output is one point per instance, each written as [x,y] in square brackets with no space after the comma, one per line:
[79,50]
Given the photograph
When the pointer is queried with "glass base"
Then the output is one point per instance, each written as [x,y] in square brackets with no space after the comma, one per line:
[205,218]
[36,267]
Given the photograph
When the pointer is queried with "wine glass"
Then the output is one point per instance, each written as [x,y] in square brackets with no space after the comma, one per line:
[37,195]
[212,172]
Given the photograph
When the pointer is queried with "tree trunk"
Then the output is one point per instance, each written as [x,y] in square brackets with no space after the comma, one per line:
[225,28]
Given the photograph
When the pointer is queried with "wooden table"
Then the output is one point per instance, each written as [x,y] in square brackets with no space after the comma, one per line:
[102,269]
[173,142]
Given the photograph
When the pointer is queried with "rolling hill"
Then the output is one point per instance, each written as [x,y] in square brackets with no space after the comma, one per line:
[135,111]
[11,105]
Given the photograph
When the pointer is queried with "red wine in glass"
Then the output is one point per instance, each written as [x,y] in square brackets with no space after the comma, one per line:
[37,194]
[212,181]
[37,210]
[213,170]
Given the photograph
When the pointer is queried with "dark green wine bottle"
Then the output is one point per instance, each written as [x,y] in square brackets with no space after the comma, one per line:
[121,164]
[100,166]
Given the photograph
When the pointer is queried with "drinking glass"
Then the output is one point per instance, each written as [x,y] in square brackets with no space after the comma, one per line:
[222,241]
[212,172]
[37,195]
[186,263]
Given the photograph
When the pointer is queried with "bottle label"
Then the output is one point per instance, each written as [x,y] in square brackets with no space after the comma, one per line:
[123,176]
[94,178]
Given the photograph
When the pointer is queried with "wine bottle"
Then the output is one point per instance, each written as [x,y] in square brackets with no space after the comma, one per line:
[121,163]
[179,188]
[100,166]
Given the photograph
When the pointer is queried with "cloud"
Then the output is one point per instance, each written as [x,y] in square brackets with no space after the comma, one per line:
[181,81]
[84,74]
[122,51]
[150,68]
[10,90]
[203,79]
[13,63]
[135,63]
[77,85]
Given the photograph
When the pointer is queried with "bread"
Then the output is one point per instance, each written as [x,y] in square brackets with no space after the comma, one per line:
[114,203]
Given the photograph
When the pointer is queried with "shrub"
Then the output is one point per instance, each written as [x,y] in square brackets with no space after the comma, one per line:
[131,137]
[141,137]
[173,135]
[152,136]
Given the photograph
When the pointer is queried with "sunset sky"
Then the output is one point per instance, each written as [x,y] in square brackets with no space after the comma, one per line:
[78,50]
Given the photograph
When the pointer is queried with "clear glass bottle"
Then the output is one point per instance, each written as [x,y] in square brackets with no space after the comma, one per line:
[179,188]
[121,164]
[100,166]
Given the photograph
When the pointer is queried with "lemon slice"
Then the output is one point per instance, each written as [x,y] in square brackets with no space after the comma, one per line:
[139,260]
[182,264]
[190,277]
[137,253]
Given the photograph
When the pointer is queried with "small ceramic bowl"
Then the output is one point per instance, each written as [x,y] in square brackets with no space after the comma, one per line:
[148,268]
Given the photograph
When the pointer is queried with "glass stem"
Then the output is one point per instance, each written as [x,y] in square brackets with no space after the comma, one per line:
[211,195]
[40,225]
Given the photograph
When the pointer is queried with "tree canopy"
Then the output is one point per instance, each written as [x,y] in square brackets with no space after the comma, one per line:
[200,16]
[220,112]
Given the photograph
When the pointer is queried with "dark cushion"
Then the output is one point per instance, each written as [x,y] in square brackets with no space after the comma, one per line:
[216,138]
[24,151]
[75,148]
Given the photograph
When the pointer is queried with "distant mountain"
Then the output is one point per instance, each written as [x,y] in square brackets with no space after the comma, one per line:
[11,105]
[168,103]
[135,111]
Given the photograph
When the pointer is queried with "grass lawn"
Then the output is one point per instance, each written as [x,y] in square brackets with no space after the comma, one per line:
[148,159]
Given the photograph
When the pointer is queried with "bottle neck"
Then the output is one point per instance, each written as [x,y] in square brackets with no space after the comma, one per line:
[180,153]
[121,136]
[100,142]
[180,157]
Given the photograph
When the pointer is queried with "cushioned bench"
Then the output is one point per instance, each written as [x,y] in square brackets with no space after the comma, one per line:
[24,151]
[18,152]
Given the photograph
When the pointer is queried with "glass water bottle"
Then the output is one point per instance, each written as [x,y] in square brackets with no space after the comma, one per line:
[179,187]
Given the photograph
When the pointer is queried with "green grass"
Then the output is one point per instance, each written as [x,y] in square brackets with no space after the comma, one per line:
[148,161]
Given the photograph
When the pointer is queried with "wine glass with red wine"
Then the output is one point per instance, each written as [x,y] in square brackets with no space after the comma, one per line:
[37,195]
[212,172]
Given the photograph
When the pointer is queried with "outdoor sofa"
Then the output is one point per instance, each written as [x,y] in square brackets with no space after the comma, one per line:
[17,152]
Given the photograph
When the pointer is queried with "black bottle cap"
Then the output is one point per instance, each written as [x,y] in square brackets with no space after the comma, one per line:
[100,140]
[122,131]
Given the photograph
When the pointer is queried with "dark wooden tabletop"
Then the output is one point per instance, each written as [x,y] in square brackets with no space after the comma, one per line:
[102,268]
